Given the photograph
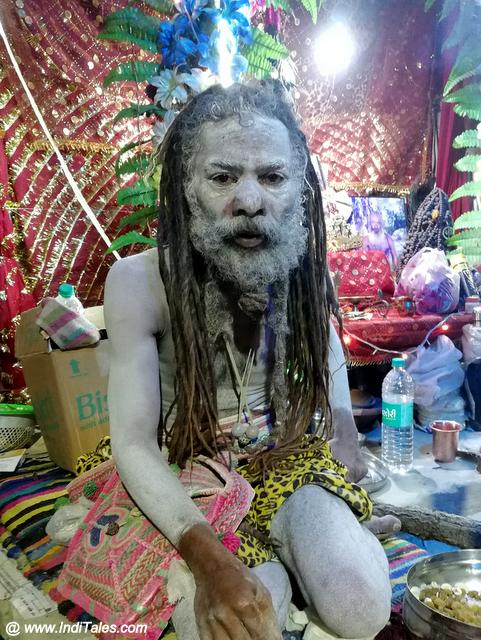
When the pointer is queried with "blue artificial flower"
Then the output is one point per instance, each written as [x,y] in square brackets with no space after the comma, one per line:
[195,9]
[239,66]
[237,14]
[219,46]
[175,43]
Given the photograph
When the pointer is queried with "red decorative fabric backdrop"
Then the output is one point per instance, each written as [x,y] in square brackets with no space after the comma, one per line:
[371,125]
[45,236]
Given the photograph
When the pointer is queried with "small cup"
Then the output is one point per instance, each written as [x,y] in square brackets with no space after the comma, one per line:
[445,439]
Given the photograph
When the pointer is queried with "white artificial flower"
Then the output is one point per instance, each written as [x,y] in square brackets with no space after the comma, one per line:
[203,78]
[172,87]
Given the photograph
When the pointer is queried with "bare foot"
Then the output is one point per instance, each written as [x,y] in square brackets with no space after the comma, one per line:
[349,453]
[383,526]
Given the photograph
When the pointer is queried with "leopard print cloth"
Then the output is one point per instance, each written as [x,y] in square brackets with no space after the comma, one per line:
[314,464]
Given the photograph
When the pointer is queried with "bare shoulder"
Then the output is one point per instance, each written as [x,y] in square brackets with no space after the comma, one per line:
[135,295]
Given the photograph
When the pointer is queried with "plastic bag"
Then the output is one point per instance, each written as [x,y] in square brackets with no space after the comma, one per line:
[436,371]
[430,281]
[66,520]
[448,407]
[471,344]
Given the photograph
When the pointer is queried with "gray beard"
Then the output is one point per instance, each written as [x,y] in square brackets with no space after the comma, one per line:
[250,269]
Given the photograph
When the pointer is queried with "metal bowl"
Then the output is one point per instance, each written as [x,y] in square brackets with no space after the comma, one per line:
[377,473]
[455,566]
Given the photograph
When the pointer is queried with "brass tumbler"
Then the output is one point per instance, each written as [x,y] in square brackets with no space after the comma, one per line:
[445,439]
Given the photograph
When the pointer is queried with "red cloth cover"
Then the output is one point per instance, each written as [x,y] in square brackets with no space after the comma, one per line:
[362,272]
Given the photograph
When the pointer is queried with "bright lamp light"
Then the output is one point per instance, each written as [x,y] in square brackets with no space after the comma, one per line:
[334,49]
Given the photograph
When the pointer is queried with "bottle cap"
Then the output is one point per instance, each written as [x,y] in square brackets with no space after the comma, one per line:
[66,290]
[398,362]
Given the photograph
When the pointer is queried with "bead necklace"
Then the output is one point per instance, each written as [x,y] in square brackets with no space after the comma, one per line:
[244,432]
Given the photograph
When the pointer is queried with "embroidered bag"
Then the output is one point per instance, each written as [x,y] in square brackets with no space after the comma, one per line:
[117,562]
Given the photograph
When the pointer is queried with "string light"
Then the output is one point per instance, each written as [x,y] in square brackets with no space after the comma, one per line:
[349,337]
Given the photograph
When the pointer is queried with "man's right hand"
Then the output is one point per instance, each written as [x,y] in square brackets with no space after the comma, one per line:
[230,602]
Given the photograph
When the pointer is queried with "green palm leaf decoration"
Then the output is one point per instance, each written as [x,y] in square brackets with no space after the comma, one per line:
[140,217]
[428,4]
[465,25]
[162,6]
[470,238]
[466,102]
[448,7]
[134,26]
[134,71]
[467,139]
[137,164]
[311,7]
[468,162]
[143,192]
[132,237]
[278,4]
[471,189]
[136,110]
[469,220]
[467,99]
[467,63]
[264,50]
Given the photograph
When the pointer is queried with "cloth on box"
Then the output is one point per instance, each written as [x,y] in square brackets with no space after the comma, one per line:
[65,327]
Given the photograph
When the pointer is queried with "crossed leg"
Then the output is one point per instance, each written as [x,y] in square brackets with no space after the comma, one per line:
[339,565]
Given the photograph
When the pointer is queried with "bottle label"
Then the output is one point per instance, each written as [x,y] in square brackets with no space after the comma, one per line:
[397,415]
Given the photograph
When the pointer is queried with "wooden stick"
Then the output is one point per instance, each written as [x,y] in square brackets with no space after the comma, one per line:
[435,525]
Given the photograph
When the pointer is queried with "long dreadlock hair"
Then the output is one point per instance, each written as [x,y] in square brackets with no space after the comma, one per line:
[311,300]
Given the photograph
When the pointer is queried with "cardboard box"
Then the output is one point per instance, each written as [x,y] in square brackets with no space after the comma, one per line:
[68,389]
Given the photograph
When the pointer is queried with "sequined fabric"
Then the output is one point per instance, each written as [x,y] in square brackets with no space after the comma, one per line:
[371,124]
[45,236]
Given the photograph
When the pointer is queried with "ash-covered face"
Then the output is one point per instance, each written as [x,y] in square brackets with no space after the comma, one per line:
[245,195]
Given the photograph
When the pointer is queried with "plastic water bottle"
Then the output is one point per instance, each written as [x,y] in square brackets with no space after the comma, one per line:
[66,296]
[397,418]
